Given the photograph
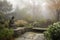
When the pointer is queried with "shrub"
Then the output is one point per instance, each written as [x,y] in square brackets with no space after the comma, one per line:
[53,32]
[5,33]
[29,25]
[21,23]
[7,23]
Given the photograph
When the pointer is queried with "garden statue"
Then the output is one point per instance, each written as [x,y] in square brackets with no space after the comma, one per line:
[11,23]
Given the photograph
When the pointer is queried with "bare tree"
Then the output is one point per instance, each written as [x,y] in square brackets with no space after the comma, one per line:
[5,6]
[55,4]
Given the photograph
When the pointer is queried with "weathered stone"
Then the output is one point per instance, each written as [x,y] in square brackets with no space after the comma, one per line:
[31,36]
[11,23]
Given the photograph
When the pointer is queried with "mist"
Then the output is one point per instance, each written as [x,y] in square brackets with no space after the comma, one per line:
[37,9]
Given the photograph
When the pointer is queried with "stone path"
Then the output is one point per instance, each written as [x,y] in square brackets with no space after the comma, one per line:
[31,36]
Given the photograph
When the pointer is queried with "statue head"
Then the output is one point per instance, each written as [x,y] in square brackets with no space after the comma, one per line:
[12,17]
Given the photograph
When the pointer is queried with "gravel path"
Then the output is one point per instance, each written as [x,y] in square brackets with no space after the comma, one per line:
[31,36]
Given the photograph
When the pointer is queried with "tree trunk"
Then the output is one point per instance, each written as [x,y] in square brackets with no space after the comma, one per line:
[58,15]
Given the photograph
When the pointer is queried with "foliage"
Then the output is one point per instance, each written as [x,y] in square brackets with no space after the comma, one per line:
[5,33]
[29,25]
[21,23]
[6,24]
[42,23]
[1,17]
[3,20]
[53,32]
[5,6]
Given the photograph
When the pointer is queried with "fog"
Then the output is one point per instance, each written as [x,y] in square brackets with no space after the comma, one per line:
[37,8]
